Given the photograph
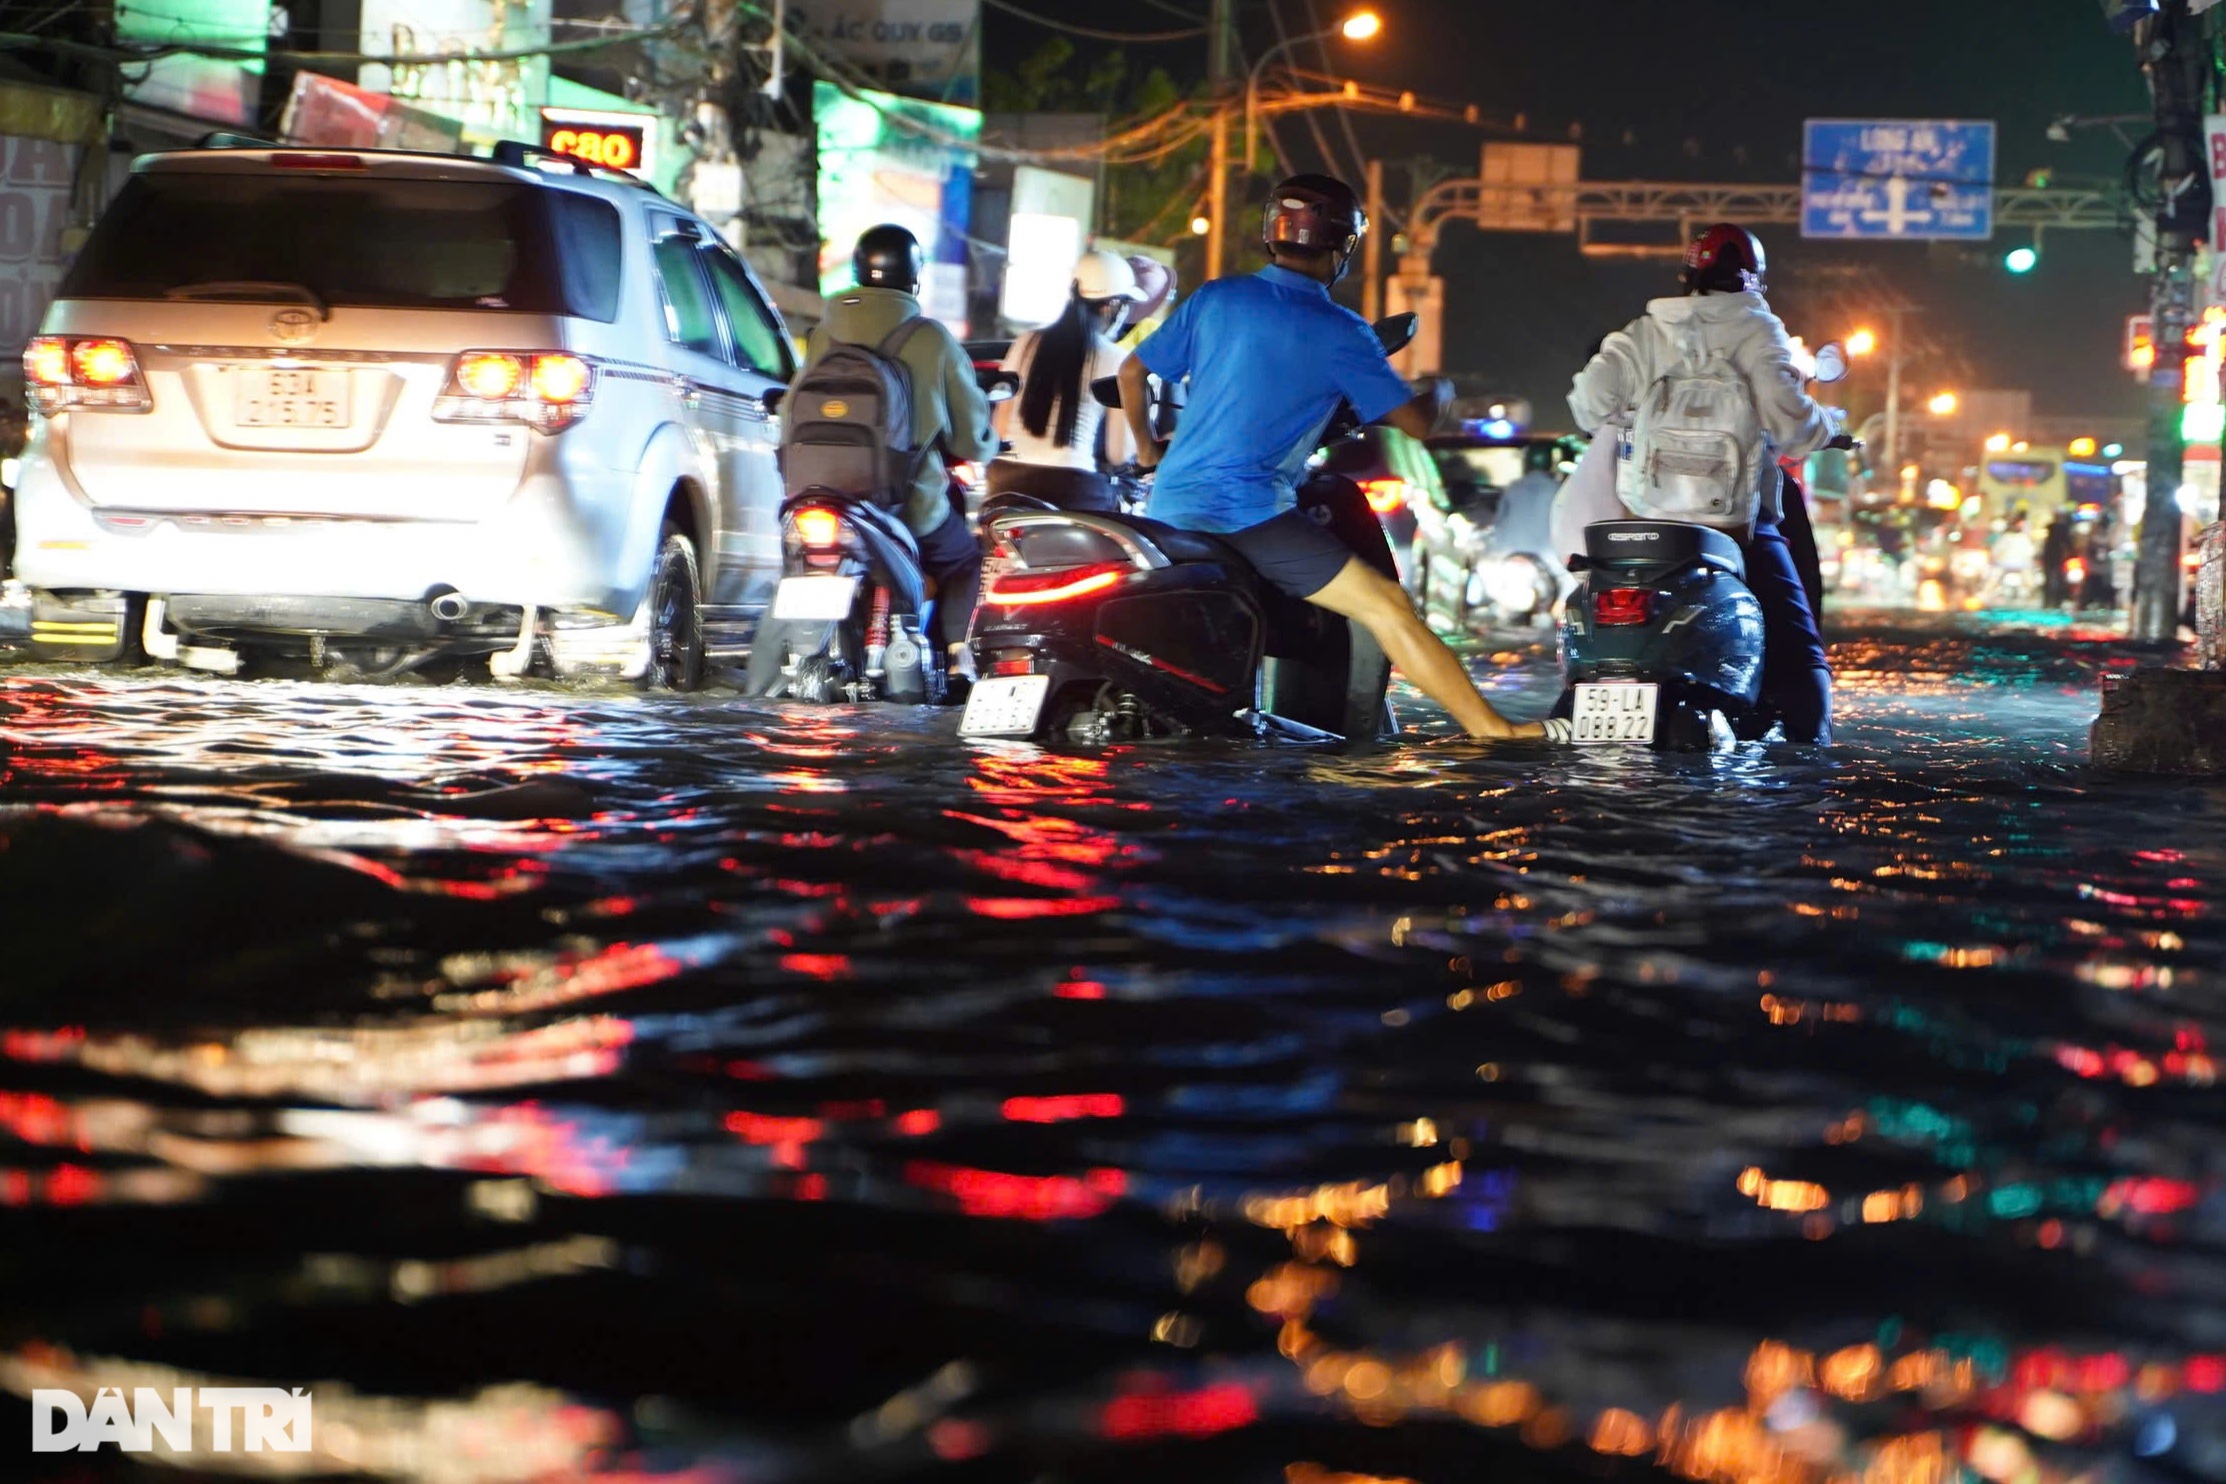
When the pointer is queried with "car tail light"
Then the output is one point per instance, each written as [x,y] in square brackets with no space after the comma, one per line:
[1020,589]
[1622,605]
[1385,496]
[61,372]
[817,528]
[548,389]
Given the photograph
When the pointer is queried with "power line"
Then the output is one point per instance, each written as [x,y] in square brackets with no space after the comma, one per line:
[1091,32]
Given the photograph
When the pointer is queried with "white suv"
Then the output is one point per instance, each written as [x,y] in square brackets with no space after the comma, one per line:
[370,409]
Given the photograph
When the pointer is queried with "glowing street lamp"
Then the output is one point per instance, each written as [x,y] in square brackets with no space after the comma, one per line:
[1943,405]
[1361,25]
[1862,343]
[1999,443]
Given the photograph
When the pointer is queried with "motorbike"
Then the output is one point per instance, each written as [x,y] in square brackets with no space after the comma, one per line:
[1100,628]
[1662,640]
[848,618]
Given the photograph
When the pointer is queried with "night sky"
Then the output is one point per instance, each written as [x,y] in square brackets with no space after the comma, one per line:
[1716,91]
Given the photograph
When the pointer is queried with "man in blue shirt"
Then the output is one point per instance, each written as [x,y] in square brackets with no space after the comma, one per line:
[1269,357]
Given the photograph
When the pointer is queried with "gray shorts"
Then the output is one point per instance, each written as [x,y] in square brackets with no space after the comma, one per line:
[1292,552]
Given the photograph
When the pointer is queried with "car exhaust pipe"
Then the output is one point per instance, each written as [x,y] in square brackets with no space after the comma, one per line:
[449,606]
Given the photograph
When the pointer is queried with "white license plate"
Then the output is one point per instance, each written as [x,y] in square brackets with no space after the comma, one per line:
[1615,713]
[1004,706]
[815,599]
[292,399]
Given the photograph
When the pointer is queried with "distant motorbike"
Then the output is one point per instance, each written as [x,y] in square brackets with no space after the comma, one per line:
[847,622]
[1102,628]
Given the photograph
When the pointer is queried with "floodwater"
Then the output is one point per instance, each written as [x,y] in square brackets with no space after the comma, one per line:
[576,1085]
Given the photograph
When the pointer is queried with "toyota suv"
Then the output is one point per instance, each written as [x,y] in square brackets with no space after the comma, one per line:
[370,409]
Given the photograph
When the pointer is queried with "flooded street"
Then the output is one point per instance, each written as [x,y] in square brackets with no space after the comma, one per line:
[582,1085]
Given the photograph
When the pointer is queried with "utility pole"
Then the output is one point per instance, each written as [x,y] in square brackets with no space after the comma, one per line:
[1372,246]
[1220,64]
[2174,54]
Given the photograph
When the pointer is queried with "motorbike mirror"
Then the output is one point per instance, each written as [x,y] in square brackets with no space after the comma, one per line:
[772,399]
[1107,389]
[1001,386]
[1394,331]
[1831,362]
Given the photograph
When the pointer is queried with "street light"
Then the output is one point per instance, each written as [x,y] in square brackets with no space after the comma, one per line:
[1862,343]
[1361,25]
[1999,443]
[1943,405]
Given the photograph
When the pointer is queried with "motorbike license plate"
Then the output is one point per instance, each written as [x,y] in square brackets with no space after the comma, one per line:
[1615,713]
[291,399]
[815,599]
[1005,706]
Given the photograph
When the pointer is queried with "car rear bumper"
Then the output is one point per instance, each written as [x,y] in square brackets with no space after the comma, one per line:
[550,543]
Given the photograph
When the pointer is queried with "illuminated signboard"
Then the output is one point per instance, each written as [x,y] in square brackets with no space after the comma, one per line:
[888,159]
[622,141]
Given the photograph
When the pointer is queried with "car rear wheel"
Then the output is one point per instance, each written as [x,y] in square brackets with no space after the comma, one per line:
[675,604]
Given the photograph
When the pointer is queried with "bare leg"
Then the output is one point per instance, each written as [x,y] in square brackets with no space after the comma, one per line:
[1363,594]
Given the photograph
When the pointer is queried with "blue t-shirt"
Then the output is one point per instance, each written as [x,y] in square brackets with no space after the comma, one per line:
[1268,358]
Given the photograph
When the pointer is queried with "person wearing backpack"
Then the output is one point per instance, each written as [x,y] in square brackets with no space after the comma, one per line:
[1713,400]
[884,398]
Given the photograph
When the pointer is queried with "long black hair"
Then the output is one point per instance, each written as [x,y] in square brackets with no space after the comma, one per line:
[1052,385]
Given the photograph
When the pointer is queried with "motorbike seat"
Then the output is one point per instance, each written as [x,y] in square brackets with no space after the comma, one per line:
[1661,543]
[1013,500]
[1188,546]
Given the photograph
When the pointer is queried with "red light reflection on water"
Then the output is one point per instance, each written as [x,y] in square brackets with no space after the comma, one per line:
[1184,1414]
[1022,1197]
[1061,1108]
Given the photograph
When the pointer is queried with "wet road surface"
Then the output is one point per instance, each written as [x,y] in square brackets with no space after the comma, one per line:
[569,1085]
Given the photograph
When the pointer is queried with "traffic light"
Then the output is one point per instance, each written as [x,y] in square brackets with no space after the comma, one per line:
[2021,260]
[2203,422]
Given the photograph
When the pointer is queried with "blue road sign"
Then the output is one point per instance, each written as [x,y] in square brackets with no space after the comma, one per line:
[1897,178]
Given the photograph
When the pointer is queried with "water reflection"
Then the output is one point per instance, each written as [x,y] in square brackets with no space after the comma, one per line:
[572,1085]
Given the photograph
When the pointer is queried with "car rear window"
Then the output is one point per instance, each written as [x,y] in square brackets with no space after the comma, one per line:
[370,241]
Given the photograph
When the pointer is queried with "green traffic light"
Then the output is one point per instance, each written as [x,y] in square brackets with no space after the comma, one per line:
[2021,260]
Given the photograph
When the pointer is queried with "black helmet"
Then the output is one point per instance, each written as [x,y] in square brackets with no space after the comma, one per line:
[1317,213]
[1725,259]
[888,257]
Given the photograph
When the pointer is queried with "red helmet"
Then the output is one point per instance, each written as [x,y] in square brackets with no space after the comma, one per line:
[1725,259]
[1314,211]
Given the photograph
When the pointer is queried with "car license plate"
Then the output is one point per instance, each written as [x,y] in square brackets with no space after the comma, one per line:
[815,599]
[1005,706]
[292,399]
[1615,713]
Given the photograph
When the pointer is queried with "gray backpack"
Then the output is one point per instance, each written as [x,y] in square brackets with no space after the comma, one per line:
[1694,450]
[847,423]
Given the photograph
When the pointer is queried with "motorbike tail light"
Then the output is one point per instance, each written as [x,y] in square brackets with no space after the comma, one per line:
[2075,570]
[817,528]
[1622,605]
[1019,589]
[61,372]
[1385,496]
[549,390]
[1012,662]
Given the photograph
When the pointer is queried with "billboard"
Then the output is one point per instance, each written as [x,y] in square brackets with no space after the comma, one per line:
[207,88]
[921,48]
[491,99]
[325,111]
[36,177]
[888,159]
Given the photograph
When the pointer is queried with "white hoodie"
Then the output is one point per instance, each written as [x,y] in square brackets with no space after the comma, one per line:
[1633,359]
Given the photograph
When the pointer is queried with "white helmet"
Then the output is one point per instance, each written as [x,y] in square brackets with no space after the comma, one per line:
[1103,275]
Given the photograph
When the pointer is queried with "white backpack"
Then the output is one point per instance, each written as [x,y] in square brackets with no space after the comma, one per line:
[1691,453]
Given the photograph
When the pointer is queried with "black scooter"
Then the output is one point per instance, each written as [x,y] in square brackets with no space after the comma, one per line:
[1662,640]
[1103,628]
[846,622]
